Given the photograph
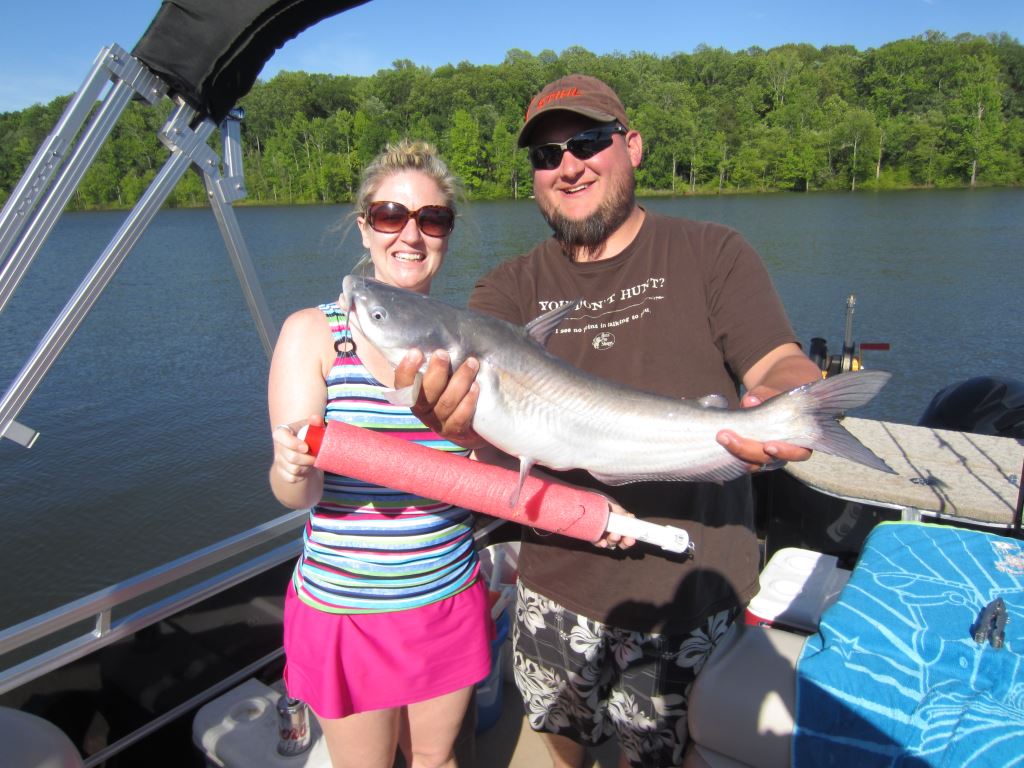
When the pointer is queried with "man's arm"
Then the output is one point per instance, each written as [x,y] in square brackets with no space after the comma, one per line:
[782,369]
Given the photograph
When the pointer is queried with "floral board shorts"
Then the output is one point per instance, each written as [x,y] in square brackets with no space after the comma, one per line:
[588,681]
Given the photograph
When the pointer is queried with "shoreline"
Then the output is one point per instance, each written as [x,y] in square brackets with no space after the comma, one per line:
[640,193]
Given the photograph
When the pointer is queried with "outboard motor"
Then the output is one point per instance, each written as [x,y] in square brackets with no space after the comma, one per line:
[984,405]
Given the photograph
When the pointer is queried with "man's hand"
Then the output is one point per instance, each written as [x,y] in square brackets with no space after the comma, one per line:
[447,401]
[780,370]
[760,456]
[615,540]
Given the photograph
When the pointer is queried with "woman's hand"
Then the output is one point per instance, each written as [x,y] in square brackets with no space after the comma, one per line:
[293,461]
[294,480]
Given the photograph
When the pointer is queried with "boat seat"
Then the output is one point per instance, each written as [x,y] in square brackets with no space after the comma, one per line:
[743,703]
[29,741]
[941,474]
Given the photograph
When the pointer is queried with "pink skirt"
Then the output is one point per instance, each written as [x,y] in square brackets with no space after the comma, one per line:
[341,664]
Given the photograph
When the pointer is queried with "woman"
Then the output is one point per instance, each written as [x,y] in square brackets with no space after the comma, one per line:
[386,620]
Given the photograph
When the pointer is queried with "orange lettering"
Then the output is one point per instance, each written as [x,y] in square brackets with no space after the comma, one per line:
[545,100]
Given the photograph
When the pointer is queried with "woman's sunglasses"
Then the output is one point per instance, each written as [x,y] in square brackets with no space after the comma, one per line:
[584,145]
[389,218]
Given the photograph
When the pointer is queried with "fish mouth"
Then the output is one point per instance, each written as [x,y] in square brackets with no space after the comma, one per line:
[353,294]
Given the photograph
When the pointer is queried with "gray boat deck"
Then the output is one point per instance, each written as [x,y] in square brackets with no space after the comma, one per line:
[510,743]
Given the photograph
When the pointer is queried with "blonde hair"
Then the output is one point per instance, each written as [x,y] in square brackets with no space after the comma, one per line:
[406,155]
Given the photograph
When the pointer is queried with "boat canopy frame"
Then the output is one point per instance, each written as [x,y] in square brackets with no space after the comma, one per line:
[205,57]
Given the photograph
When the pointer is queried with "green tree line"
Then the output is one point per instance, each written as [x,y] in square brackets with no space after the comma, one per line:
[930,111]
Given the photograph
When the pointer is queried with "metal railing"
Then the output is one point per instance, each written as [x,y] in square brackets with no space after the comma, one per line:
[99,607]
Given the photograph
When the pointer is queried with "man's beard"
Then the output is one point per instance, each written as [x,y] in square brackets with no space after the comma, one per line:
[590,233]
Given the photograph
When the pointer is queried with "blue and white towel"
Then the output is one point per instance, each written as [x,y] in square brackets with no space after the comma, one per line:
[894,676]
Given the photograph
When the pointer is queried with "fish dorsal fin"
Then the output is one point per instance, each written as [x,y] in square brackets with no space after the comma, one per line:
[713,401]
[540,328]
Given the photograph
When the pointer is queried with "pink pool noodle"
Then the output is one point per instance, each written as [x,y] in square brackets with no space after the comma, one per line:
[395,463]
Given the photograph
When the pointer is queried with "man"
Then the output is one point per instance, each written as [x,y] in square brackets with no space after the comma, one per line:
[607,642]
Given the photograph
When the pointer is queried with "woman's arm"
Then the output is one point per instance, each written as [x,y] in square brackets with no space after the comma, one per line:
[297,393]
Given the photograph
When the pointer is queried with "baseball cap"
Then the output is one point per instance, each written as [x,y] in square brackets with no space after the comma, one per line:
[581,94]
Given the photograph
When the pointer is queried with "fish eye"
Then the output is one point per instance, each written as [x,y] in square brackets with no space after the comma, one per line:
[379,314]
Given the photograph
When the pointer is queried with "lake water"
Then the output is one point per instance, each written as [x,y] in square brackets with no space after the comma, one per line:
[154,431]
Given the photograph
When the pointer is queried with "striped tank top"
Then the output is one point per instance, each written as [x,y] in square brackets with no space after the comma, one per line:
[369,549]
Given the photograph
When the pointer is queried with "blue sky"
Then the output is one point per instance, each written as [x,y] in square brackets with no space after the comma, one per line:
[47,46]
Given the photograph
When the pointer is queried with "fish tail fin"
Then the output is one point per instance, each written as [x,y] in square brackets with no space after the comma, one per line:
[825,402]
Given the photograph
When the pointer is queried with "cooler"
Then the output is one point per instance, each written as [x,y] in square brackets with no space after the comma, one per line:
[797,585]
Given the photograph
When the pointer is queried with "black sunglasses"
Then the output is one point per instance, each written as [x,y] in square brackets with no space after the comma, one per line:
[584,145]
[389,218]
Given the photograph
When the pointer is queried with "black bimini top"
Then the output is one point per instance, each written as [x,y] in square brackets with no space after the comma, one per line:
[210,52]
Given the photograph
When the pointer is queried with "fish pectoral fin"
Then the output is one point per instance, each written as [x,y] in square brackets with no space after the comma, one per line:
[713,401]
[406,396]
[540,328]
[525,465]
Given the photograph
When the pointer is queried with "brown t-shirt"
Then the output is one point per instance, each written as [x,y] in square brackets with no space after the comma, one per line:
[683,311]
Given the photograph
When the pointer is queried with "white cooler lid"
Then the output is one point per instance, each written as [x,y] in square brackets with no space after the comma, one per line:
[797,585]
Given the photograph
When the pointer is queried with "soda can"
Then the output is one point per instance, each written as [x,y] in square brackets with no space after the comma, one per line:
[293,726]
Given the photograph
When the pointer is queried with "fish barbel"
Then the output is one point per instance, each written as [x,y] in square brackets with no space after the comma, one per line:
[536,407]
